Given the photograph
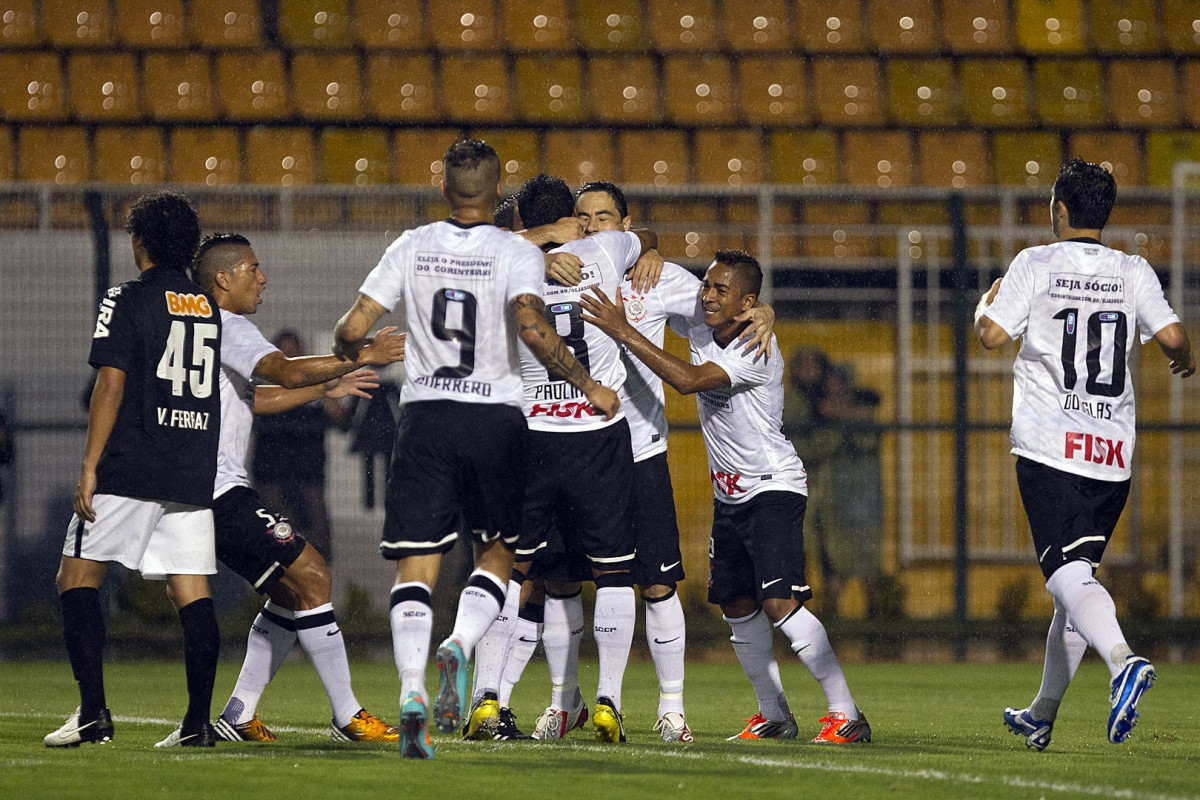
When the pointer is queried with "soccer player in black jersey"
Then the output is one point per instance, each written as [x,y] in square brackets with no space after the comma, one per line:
[145,486]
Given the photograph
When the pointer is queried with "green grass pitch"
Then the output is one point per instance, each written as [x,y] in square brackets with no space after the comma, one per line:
[937,734]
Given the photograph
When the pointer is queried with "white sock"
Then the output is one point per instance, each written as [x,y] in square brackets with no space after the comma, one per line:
[492,649]
[412,625]
[561,634]
[521,647]
[478,605]
[1091,610]
[811,645]
[666,635]
[322,639]
[752,642]
[1064,650]
[270,640]
[614,618]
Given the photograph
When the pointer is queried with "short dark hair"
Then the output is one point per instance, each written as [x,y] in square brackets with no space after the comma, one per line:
[610,189]
[545,199]
[471,169]
[203,274]
[168,227]
[1088,191]
[506,212]
[745,267]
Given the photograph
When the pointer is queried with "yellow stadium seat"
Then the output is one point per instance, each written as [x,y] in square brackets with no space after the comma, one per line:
[357,156]
[683,25]
[578,156]
[835,240]
[699,89]
[1181,26]
[623,89]
[995,92]
[103,86]
[1191,92]
[8,165]
[518,151]
[537,25]
[327,86]
[762,25]
[879,158]
[1121,153]
[226,23]
[1152,223]
[848,91]
[773,90]
[210,155]
[658,157]
[922,92]
[77,23]
[53,154]
[806,158]
[686,229]
[177,86]
[145,24]
[977,26]
[910,217]
[32,87]
[957,159]
[419,154]
[609,24]
[729,157]
[903,26]
[830,26]
[401,87]
[19,24]
[280,156]
[475,88]
[1050,26]
[129,155]
[464,25]
[1143,93]
[252,86]
[314,23]
[1125,27]
[384,24]
[550,88]
[1164,149]
[1069,91]
[1026,158]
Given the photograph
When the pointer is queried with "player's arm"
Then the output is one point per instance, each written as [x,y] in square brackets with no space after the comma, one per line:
[277,399]
[102,416]
[1175,344]
[350,333]
[293,373]
[991,335]
[684,377]
[548,347]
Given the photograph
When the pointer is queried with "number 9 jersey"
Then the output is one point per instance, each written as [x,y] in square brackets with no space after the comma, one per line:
[456,282]
[164,333]
[1078,306]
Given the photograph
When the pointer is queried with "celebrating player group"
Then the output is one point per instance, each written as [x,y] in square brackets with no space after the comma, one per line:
[532,421]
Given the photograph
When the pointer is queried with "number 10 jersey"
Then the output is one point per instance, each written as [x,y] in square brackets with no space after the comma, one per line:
[456,282]
[1078,306]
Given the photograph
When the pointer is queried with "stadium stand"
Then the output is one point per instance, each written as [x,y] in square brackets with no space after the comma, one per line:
[519,154]
[314,23]
[683,25]
[805,158]
[1069,92]
[53,154]
[879,158]
[1050,26]
[1143,93]
[357,156]
[147,24]
[1120,152]
[19,24]
[729,157]
[77,23]
[131,155]
[252,86]
[464,25]
[609,25]
[383,24]
[225,24]
[103,87]
[475,88]
[699,89]
[578,156]
[280,156]
[655,157]
[830,27]
[550,88]
[208,155]
[32,87]
[954,158]
[178,87]
[995,92]
[774,90]
[1124,27]
[326,86]
[903,26]
[848,91]
[977,27]
[623,89]
[537,25]
[922,92]
[419,154]
[401,87]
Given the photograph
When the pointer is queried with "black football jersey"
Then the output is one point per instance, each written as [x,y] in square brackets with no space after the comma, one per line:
[164,333]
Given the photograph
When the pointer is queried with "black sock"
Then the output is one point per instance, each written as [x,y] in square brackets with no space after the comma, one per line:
[83,631]
[201,645]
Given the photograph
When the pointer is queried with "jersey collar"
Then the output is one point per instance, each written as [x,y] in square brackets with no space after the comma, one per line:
[1085,240]
[466,226]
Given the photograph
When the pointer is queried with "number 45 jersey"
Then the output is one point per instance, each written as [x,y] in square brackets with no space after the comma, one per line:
[1078,307]
[456,282]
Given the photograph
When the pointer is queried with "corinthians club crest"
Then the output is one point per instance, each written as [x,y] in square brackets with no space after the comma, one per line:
[635,307]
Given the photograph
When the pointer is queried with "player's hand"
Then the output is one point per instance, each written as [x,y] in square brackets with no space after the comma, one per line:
[353,384]
[646,273]
[607,315]
[757,336]
[565,269]
[564,230]
[604,400]
[1184,370]
[84,490]
[386,348]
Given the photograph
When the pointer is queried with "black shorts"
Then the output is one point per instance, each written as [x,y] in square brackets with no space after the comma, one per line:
[757,549]
[655,530]
[454,462]
[1071,517]
[251,541]
[577,497]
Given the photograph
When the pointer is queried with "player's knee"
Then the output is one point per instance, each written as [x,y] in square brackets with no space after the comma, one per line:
[658,592]
[614,580]
[561,591]
[778,608]
[739,608]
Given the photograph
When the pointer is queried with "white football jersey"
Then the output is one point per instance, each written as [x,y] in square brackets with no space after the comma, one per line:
[242,347]
[675,299]
[456,282]
[747,452]
[555,405]
[1077,306]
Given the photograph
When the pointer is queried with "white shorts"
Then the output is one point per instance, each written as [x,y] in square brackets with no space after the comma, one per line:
[155,537]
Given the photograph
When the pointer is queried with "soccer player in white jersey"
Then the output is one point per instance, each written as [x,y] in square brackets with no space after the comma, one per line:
[259,544]
[756,551]
[469,292]
[1078,308]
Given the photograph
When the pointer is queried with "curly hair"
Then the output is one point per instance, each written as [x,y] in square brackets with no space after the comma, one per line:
[1088,191]
[167,226]
[543,200]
